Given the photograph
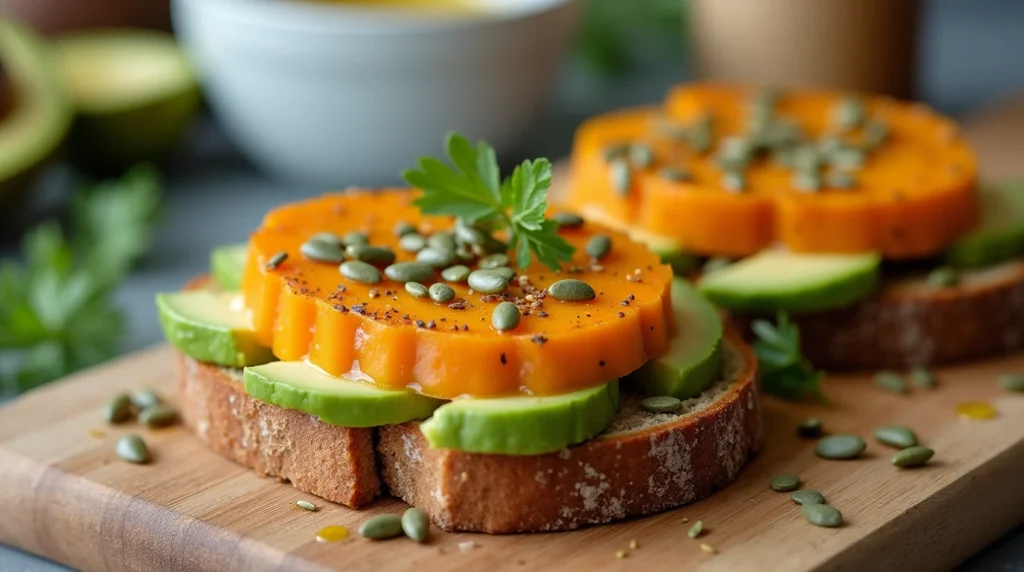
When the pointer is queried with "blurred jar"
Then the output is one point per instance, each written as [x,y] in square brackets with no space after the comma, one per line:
[867,45]
[57,16]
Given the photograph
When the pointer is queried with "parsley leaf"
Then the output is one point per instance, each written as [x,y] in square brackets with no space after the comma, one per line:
[474,191]
[785,372]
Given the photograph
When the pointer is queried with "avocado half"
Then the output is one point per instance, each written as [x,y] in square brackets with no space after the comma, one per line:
[37,114]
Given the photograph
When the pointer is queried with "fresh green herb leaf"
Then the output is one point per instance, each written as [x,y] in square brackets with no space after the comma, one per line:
[785,372]
[474,191]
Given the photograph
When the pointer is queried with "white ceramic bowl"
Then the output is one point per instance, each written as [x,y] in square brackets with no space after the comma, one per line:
[334,95]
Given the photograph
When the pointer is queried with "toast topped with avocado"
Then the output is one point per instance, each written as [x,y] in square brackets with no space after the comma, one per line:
[463,325]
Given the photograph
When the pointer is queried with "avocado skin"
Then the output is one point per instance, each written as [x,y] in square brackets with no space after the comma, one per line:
[209,342]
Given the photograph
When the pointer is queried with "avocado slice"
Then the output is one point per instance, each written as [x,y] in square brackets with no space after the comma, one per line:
[335,400]
[694,358]
[211,327]
[227,264]
[135,93]
[1000,232]
[522,425]
[38,113]
[775,280]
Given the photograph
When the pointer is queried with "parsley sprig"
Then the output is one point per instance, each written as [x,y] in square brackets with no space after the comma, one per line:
[475,192]
[785,372]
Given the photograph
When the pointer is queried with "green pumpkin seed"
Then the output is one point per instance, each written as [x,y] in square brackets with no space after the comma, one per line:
[403,228]
[700,139]
[810,427]
[505,272]
[487,281]
[306,505]
[415,524]
[360,271]
[458,273]
[840,180]
[567,220]
[118,409]
[785,483]
[896,436]
[622,176]
[943,276]
[640,155]
[807,496]
[675,175]
[807,181]
[848,112]
[840,447]
[412,242]
[468,234]
[371,254]
[696,529]
[1012,382]
[328,237]
[133,449]
[505,317]
[157,416]
[276,260]
[599,246]
[436,257]
[572,290]
[875,133]
[922,377]
[912,457]
[143,398]
[381,527]
[416,289]
[409,272]
[441,292]
[847,158]
[442,241]
[824,515]
[661,404]
[464,255]
[322,251]
[615,151]
[492,261]
[734,181]
[355,238]
[891,382]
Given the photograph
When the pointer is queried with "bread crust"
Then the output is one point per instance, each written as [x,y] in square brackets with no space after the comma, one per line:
[611,477]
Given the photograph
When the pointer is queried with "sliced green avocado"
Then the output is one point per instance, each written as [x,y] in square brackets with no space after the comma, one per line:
[226,265]
[38,113]
[135,93]
[694,358]
[523,425]
[775,280]
[1000,232]
[211,327]
[335,400]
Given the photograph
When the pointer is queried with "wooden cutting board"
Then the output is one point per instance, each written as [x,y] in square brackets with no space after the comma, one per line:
[65,495]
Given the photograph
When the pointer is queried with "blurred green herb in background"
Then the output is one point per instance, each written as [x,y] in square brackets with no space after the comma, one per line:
[57,313]
[785,372]
[610,27]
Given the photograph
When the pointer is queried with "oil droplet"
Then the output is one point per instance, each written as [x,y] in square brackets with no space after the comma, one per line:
[332,534]
[977,410]
[97,434]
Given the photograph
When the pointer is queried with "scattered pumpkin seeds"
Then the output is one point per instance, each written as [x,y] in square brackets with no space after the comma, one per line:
[158,415]
[1012,382]
[487,281]
[505,272]
[441,292]
[599,246]
[810,427]
[505,317]
[943,277]
[371,254]
[355,238]
[457,273]
[824,515]
[896,436]
[492,261]
[912,457]
[322,251]
[416,289]
[118,409]
[143,398]
[661,404]
[807,181]
[622,176]
[412,242]
[840,447]
[567,220]
[891,382]
[641,155]
[807,496]
[409,272]
[696,529]
[276,260]
[572,290]
[675,175]
[381,527]
[922,377]
[415,524]
[360,271]
[436,257]
[468,234]
[328,237]
[785,483]
[403,228]
[847,158]
[442,241]
[306,505]
[615,151]
[133,449]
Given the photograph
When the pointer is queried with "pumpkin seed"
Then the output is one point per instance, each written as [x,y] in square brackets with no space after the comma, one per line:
[505,272]
[715,263]
[457,273]
[806,158]
[442,241]
[943,276]
[568,220]
[416,289]
[118,409]
[700,135]
[409,272]
[848,112]
[807,496]
[599,246]
[734,153]
[891,382]
[403,228]
[661,404]
[615,151]
[1012,382]
[436,257]
[505,317]
[412,242]
[143,398]
[276,260]
[840,447]
[464,255]
[912,457]
[487,281]
[810,427]
[922,377]
[641,155]
[675,175]
[896,436]
[354,238]
[696,529]
[807,181]
[441,292]
[371,254]
[572,290]
[133,449]
[824,515]
[158,415]
[847,158]
[622,177]
[492,261]
[415,524]
[840,180]
[360,272]
[875,133]
[328,237]
[381,527]
[734,181]
[306,505]
[321,251]
[785,483]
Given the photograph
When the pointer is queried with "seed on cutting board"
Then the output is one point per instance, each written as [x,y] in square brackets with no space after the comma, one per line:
[436,257]
[840,447]
[442,241]
[409,272]
[807,496]
[360,271]
[487,281]
[370,254]
[321,251]
[492,261]
[822,515]
[355,238]
[415,524]
[707,548]
[412,242]
[441,292]
[943,277]
[118,409]
[675,175]
[696,529]
[912,457]
[622,177]
[785,483]
[572,290]
[157,416]
[133,449]
[328,237]
[896,436]
[661,404]
[143,398]
[403,228]
[922,377]
[276,260]
[306,505]
[1012,382]
[567,220]
[416,289]
[810,427]
[381,527]
[890,382]
[505,317]
[598,246]
[457,273]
